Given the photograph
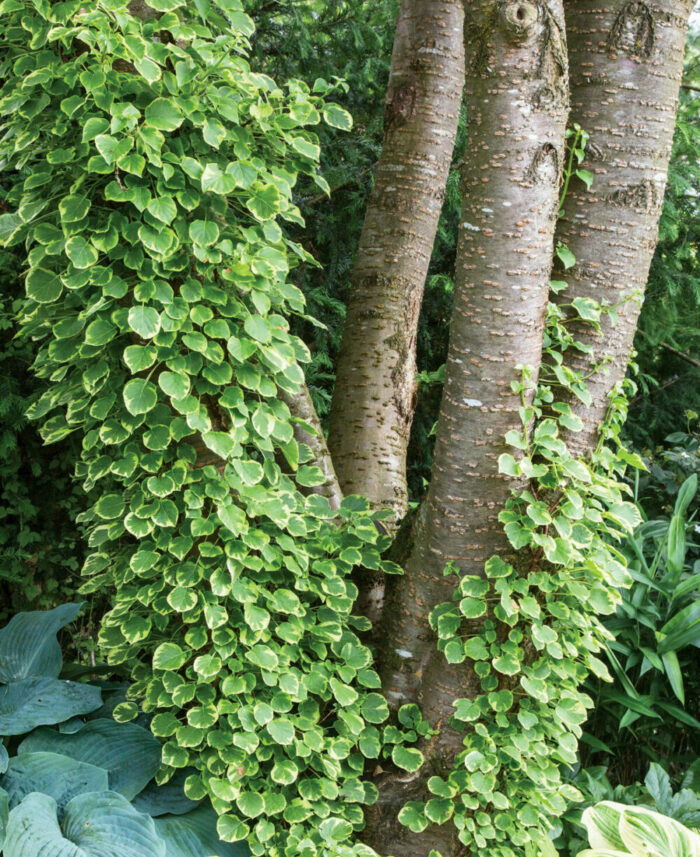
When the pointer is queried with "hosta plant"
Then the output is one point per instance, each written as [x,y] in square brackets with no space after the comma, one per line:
[616,830]
[73,781]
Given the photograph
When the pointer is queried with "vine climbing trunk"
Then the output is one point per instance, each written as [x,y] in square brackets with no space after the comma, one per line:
[517,104]
[373,402]
[627,60]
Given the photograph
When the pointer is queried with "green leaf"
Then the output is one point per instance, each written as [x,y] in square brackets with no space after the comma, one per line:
[144,320]
[412,816]
[110,506]
[81,254]
[258,328]
[565,256]
[112,148]
[408,758]
[675,676]
[264,202]
[129,753]
[140,396]
[204,233]
[174,384]
[73,208]
[214,132]
[164,114]
[374,708]
[139,357]
[337,117]
[9,224]
[281,730]
[250,804]
[586,177]
[250,471]
[163,208]
[100,332]
[30,702]
[335,829]
[96,824]
[43,286]
[169,656]
[216,181]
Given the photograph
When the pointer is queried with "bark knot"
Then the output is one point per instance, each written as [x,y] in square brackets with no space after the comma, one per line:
[520,17]
[633,30]
[544,166]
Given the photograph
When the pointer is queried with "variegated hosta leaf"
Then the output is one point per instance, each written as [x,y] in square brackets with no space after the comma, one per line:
[96,824]
[615,829]
[602,822]
[650,833]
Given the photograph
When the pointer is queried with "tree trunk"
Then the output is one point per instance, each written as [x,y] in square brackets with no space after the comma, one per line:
[517,107]
[627,60]
[302,408]
[373,402]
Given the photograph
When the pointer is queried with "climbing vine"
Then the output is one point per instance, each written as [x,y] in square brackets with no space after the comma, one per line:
[158,170]
[530,627]
[159,167]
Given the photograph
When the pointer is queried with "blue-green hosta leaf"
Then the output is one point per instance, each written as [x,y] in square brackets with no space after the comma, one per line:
[4,759]
[168,799]
[4,815]
[129,753]
[194,835]
[96,824]
[50,773]
[31,702]
[28,644]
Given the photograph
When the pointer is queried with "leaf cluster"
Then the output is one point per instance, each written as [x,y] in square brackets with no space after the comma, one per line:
[158,290]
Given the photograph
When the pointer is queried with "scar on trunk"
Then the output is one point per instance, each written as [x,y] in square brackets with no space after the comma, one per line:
[646,195]
[633,30]
[401,106]
[544,166]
